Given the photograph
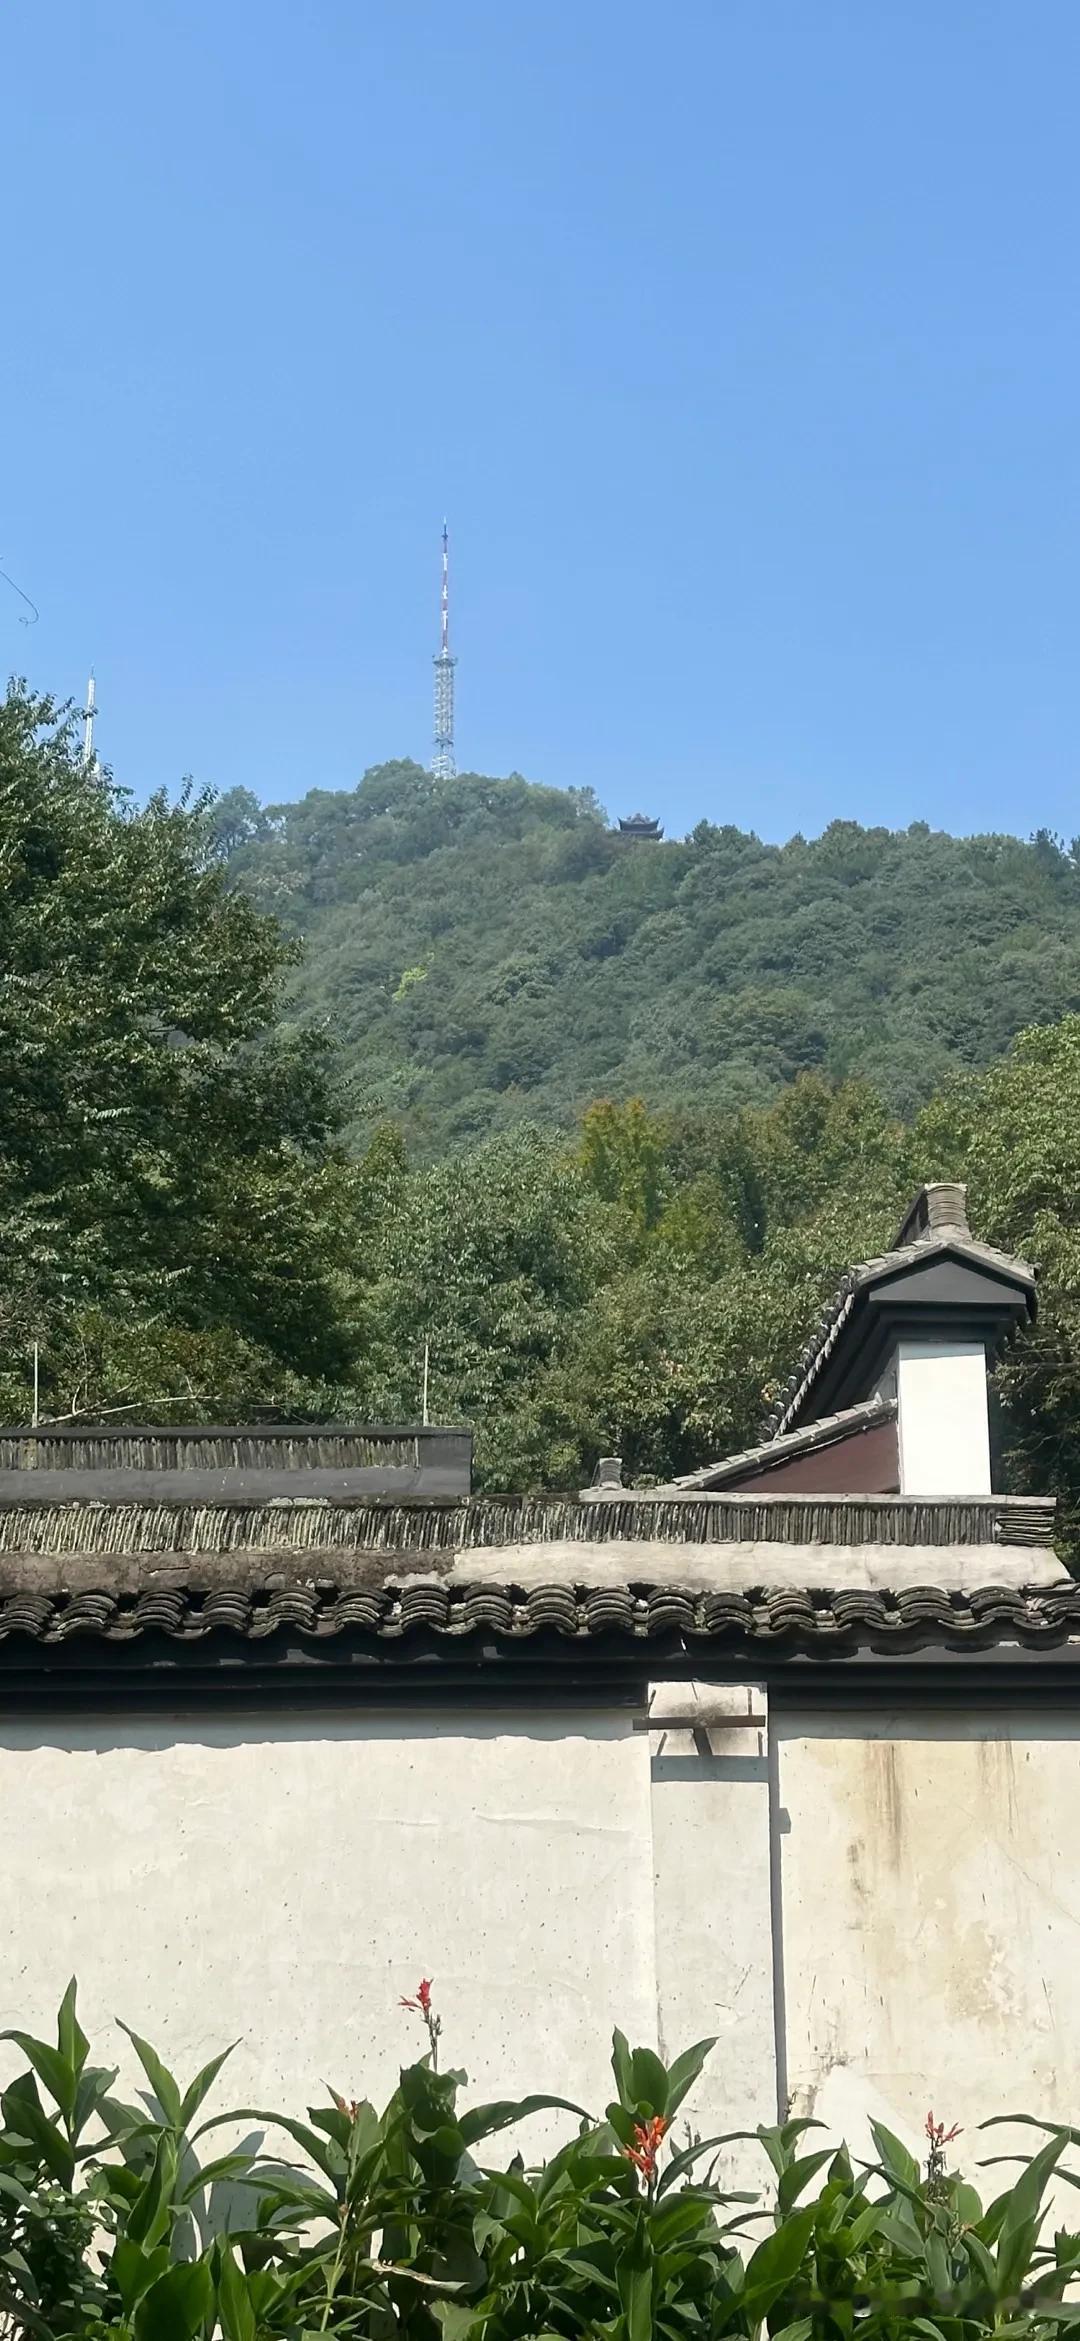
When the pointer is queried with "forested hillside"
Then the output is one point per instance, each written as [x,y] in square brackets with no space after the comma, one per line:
[486,951]
[186,1231]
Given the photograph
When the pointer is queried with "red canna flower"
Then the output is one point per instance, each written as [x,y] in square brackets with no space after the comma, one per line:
[937,2133]
[420,2005]
[646,2146]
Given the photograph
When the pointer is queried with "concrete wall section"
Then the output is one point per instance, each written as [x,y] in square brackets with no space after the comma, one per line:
[713,1928]
[285,1886]
[772,1565]
[931,1920]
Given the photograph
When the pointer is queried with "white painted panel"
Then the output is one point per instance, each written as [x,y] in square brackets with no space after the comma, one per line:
[713,1932]
[931,1920]
[943,1419]
[288,1882]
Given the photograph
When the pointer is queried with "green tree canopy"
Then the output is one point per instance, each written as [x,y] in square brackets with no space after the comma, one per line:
[562,962]
[165,1147]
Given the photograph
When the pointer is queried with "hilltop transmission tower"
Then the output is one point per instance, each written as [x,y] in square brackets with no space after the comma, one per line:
[442,762]
[89,717]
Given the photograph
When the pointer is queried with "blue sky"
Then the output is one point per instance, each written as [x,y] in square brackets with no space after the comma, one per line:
[739,341]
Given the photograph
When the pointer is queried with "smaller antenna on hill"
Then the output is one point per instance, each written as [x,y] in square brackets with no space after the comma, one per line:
[89,715]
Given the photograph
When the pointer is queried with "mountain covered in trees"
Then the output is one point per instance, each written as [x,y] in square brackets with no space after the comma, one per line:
[484,952]
[197,1222]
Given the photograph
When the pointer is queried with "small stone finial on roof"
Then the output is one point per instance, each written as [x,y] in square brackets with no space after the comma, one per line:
[608,1473]
[939,1209]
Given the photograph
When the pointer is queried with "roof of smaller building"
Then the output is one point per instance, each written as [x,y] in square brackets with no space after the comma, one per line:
[934,1232]
[807,1440]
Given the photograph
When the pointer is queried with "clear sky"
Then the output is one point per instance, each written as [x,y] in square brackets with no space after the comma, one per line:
[739,341]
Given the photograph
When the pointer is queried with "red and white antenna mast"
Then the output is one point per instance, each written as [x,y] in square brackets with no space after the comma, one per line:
[442,763]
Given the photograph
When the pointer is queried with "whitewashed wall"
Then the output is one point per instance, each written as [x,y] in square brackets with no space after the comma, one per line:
[930,1870]
[286,1883]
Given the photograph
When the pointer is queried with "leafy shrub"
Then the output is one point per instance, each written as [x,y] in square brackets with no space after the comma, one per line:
[113,2228]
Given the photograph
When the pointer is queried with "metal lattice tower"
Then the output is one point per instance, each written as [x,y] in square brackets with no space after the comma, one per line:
[89,715]
[442,762]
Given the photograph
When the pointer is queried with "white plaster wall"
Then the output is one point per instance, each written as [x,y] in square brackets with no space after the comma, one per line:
[285,1883]
[713,1928]
[731,1567]
[943,1419]
[930,1874]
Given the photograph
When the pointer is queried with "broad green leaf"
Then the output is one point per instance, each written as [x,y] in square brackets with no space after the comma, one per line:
[780,2140]
[51,2066]
[161,2080]
[71,2040]
[620,2066]
[482,2121]
[235,2305]
[966,2205]
[324,2152]
[227,2166]
[684,2072]
[201,2086]
[1029,2121]
[634,2276]
[92,2095]
[865,2225]
[799,2174]
[150,2216]
[771,2268]
[134,2270]
[1020,2223]
[648,2082]
[896,2161]
[26,2116]
[680,2163]
[177,2305]
[455,2320]
[982,2259]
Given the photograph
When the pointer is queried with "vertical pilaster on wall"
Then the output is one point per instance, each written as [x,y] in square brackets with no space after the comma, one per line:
[713,1897]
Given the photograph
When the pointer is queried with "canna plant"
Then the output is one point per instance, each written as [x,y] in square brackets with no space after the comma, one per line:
[131,2222]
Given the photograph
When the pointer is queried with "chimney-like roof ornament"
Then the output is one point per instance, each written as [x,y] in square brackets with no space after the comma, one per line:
[939,1210]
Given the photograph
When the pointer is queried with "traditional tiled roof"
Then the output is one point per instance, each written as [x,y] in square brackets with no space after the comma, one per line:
[947,1242]
[793,1622]
[804,1441]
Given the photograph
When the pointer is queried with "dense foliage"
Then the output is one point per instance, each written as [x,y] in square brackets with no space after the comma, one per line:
[164,1153]
[118,2224]
[184,1235]
[486,951]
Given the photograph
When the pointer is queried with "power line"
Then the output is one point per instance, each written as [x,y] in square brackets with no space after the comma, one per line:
[23,597]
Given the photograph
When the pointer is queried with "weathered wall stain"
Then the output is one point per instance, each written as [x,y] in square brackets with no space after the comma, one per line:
[931,1899]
